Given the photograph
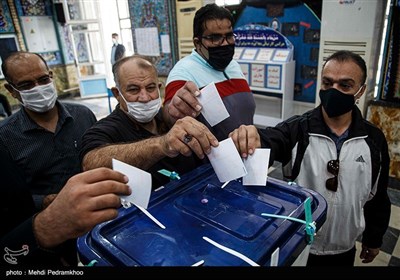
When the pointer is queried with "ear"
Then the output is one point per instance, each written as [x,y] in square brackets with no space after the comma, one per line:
[361,92]
[11,90]
[196,42]
[115,92]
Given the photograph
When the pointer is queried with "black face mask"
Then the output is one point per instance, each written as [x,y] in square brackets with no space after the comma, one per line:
[219,57]
[335,102]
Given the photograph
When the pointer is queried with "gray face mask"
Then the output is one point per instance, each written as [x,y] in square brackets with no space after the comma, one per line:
[39,99]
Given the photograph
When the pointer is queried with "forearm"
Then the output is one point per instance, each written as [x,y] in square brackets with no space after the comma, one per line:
[142,154]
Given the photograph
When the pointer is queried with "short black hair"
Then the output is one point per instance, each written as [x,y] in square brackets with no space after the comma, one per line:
[15,56]
[344,55]
[207,12]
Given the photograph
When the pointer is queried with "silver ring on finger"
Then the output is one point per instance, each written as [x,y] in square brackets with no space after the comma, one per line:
[187,138]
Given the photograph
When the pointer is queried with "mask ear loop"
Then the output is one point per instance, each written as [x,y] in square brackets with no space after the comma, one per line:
[357,101]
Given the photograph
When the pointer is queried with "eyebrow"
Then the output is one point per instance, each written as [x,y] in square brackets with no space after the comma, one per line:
[138,86]
[34,80]
[338,81]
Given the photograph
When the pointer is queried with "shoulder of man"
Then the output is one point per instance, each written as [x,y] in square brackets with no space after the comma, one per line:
[77,109]
[10,121]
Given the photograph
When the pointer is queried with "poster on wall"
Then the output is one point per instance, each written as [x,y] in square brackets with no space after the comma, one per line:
[147,41]
[39,33]
[152,17]
[6,24]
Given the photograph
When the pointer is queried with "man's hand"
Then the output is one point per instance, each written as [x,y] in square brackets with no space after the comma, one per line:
[184,103]
[246,139]
[186,136]
[87,199]
[368,254]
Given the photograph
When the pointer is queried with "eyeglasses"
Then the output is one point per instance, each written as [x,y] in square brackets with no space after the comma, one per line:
[333,168]
[26,85]
[218,39]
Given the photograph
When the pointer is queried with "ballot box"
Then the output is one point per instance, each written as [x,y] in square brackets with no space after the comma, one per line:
[205,222]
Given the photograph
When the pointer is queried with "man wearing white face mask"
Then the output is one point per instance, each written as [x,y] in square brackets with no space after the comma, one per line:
[44,136]
[135,131]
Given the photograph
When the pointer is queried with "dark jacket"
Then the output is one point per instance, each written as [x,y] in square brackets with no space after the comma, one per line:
[119,52]
[17,240]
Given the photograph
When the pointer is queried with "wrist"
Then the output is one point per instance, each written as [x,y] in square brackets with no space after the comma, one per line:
[168,118]
[46,234]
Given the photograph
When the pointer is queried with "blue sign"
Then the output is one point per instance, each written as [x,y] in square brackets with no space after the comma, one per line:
[258,36]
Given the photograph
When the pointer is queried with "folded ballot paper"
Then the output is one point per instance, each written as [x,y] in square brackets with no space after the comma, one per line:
[139,182]
[226,161]
[213,109]
[228,164]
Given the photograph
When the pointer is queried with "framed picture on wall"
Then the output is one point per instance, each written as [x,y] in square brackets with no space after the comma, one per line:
[8,45]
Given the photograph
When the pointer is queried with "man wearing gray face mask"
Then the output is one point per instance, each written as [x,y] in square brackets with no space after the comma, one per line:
[136,133]
[43,138]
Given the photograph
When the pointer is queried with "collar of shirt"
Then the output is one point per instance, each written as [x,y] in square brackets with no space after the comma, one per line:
[29,124]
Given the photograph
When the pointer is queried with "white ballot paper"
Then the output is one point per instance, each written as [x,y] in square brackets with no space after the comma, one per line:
[139,182]
[226,161]
[257,167]
[213,109]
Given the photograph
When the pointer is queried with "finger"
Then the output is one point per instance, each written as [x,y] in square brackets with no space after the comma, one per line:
[108,200]
[253,139]
[178,109]
[186,103]
[108,186]
[99,174]
[190,92]
[176,140]
[204,140]
[200,132]
[242,139]
[195,147]
[185,144]
[192,87]
[235,138]
[97,217]
[368,259]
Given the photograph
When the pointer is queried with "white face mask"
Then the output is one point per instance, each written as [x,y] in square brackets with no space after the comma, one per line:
[143,112]
[39,99]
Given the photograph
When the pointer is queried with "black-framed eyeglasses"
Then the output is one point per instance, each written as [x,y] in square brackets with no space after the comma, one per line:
[26,85]
[218,39]
[333,168]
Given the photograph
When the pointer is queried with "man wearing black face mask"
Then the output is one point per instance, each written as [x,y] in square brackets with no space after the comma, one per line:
[210,61]
[334,151]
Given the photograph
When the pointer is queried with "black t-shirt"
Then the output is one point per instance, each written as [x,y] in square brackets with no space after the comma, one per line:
[118,127]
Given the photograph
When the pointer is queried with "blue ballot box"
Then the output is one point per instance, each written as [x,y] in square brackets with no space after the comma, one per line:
[194,207]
